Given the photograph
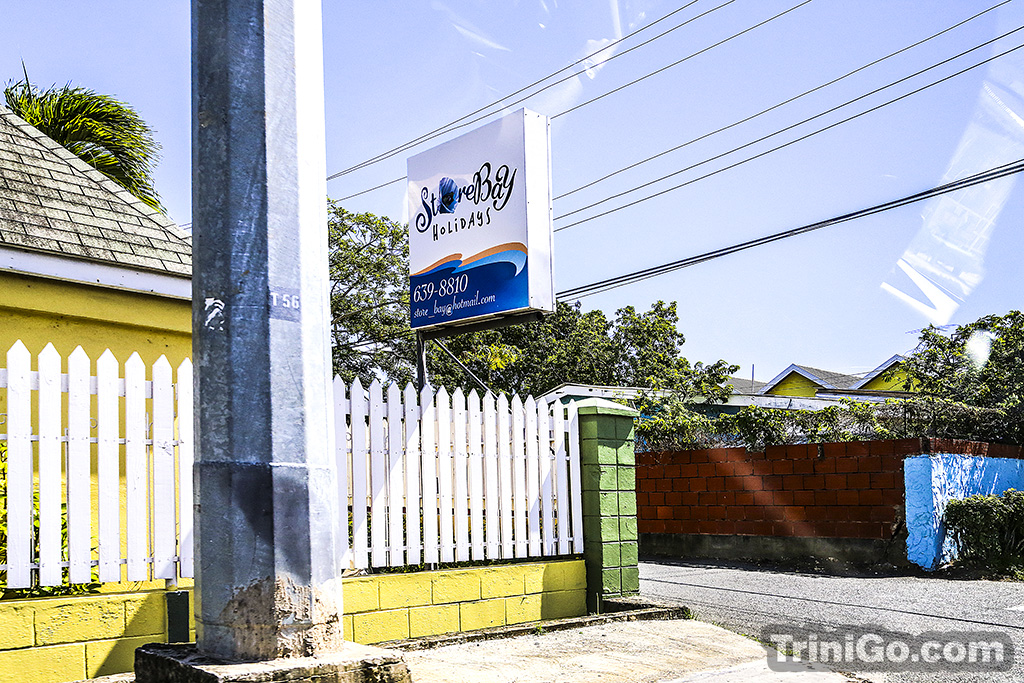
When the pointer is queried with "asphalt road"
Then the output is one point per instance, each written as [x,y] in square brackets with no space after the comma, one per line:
[747,599]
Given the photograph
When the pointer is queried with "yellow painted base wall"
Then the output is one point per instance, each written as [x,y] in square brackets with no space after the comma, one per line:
[53,640]
[397,606]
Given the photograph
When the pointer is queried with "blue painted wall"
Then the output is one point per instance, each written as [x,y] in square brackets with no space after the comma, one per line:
[932,481]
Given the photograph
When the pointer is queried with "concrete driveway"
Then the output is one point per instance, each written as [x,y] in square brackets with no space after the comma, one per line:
[670,651]
[746,599]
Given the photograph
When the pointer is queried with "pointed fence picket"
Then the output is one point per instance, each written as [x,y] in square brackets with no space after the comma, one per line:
[533,499]
[446,518]
[360,476]
[69,459]
[79,452]
[108,429]
[396,479]
[378,478]
[476,478]
[50,497]
[461,473]
[136,468]
[424,477]
[428,475]
[520,494]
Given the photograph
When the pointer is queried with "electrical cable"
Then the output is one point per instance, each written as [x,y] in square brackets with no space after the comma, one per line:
[719,130]
[780,104]
[452,125]
[376,187]
[773,149]
[677,63]
[636,276]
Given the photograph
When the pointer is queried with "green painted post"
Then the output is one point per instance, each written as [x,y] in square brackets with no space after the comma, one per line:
[609,500]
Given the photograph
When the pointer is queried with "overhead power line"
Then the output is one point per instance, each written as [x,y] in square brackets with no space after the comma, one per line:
[461,122]
[778,147]
[636,276]
[684,59]
[780,104]
[608,284]
[444,129]
[375,187]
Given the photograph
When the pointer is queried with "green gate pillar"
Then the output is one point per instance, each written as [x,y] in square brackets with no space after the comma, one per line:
[609,500]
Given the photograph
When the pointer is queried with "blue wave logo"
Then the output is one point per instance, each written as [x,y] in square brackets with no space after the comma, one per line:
[514,256]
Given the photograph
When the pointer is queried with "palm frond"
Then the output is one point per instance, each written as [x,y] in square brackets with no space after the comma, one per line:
[104,132]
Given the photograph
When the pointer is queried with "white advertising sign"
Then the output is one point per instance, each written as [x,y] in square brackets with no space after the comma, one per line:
[480,237]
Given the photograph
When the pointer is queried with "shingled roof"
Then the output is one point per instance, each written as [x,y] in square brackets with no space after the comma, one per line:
[53,202]
[745,385]
[826,379]
[832,380]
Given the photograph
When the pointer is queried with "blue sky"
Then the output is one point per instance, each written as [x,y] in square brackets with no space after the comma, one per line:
[395,70]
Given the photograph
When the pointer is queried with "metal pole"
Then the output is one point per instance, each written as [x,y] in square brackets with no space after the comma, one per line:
[422,379]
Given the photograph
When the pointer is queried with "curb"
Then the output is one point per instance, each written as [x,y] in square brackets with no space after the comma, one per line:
[618,611]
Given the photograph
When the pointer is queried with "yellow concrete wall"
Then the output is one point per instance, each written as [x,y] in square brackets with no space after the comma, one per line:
[397,606]
[52,640]
[40,311]
[795,384]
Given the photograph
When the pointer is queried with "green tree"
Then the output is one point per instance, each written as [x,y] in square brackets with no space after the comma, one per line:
[980,364]
[369,271]
[583,347]
[649,354]
[104,132]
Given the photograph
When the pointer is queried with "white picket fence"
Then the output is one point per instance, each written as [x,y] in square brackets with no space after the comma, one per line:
[71,455]
[428,478]
[483,478]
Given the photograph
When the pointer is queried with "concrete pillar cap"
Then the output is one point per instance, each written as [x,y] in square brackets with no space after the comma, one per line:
[602,406]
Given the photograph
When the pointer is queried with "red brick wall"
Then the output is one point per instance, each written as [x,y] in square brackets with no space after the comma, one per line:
[843,490]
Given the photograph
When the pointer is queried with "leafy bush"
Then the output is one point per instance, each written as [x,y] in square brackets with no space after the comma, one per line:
[674,426]
[988,531]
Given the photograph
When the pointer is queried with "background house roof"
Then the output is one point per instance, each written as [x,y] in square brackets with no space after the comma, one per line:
[53,202]
[832,380]
[745,385]
[823,378]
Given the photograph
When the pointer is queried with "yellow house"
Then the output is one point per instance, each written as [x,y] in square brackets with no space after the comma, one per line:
[82,261]
[808,382]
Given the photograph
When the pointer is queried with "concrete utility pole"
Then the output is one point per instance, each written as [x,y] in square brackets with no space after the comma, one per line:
[267,582]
